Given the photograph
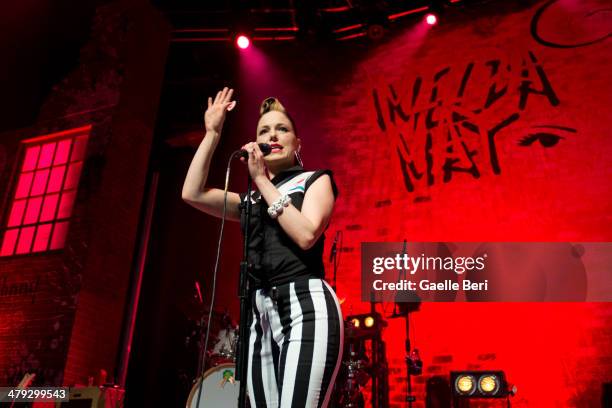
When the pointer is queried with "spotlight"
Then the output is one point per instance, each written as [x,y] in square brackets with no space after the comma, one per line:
[431,19]
[375,32]
[364,325]
[465,384]
[488,384]
[480,384]
[243,42]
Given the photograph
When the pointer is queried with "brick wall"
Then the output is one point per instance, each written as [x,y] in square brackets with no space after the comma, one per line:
[530,192]
[72,328]
[556,354]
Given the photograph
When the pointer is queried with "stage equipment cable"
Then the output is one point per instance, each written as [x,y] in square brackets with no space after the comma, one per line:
[216,269]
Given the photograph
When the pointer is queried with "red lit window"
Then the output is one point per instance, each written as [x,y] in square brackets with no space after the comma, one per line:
[39,212]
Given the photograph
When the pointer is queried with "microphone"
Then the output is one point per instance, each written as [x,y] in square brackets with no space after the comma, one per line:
[333,251]
[264,147]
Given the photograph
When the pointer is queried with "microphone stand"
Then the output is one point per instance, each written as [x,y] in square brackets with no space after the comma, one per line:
[245,305]
[409,397]
[333,256]
[243,291]
[403,309]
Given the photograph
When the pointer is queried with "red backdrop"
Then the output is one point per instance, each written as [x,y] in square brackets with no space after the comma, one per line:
[488,127]
[491,126]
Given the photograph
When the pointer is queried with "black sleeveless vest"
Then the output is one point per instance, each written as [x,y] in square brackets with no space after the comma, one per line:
[275,258]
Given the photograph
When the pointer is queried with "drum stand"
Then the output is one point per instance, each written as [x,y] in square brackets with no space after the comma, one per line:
[245,306]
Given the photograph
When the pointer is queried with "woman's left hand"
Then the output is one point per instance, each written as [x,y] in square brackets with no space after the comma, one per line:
[257,166]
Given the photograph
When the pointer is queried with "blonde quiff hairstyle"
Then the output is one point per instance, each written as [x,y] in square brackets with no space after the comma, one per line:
[273,104]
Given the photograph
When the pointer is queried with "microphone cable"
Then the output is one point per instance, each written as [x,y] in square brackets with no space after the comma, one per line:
[215,271]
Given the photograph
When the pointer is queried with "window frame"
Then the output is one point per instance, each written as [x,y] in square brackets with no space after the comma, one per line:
[10,196]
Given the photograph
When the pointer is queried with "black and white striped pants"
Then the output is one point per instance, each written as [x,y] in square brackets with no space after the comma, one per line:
[295,345]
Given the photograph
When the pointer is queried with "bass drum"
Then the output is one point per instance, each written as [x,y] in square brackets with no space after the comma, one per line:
[219,390]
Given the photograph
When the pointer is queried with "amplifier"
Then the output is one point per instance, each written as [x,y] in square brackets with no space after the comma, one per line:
[94,397]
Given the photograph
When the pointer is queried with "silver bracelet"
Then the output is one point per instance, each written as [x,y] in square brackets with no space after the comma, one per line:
[276,208]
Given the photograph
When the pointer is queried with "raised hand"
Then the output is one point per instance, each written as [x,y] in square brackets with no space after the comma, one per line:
[217,109]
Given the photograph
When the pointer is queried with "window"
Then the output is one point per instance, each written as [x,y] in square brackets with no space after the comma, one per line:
[45,191]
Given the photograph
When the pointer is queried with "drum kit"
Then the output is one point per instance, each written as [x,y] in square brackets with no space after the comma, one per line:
[354,375]
[364,363]
[219,389]
[364,358]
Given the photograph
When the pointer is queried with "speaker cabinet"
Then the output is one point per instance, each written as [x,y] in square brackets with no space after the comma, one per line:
[94,397]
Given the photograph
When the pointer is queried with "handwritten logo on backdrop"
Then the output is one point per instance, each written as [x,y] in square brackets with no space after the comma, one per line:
[435,137]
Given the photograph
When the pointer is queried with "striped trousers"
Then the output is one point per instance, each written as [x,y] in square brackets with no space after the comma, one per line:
[295,345]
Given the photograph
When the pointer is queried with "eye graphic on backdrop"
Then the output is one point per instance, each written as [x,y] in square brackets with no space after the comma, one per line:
[587,15]
[546,138]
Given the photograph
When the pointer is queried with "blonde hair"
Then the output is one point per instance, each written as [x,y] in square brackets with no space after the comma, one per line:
[273,104]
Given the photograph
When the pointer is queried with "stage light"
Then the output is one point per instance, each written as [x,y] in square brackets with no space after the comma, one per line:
[465,384]
[243,42]
[488,384]
[365,325]
[431,19]
[480,384]
[375,32]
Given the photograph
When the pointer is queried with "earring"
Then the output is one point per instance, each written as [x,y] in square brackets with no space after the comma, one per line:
[298,158]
